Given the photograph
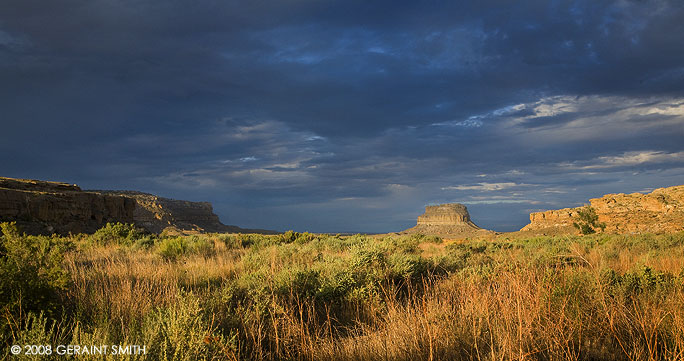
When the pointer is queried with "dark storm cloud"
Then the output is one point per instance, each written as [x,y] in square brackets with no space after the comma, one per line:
[356,113]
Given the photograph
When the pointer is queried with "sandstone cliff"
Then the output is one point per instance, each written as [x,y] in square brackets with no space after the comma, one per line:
[53,207]
[661,211]
[451,220]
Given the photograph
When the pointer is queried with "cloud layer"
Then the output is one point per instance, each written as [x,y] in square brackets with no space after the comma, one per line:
[346,116]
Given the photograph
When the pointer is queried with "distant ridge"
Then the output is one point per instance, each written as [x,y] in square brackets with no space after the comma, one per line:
[43,207]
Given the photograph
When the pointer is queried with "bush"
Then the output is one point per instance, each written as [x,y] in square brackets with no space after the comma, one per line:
[254,241]
[367,256]
[183,331]
[31,272]
[334,287]
[643,280]
[408,265]
[117,233]
[289,236]
[231,241]
[427,239]
[587,221]
[145,242]
[299,282]
[36,330]
[172,248]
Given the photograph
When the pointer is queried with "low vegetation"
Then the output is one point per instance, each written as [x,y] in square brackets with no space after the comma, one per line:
[302,296]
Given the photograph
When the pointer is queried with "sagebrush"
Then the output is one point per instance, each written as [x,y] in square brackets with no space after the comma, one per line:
[320,297]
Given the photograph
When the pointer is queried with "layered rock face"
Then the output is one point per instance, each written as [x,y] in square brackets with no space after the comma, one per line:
[47,207]
[157,213]
[53,207]
[661,211]
[450,219]
[445,214]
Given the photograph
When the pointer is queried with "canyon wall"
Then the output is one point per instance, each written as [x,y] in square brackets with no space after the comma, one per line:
[157,213]
[41,207]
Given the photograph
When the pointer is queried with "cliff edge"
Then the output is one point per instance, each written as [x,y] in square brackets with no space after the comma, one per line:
[42,207]
[661,211]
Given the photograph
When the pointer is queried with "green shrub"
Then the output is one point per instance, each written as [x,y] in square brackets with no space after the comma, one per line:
[336,285]
[289,236]
[305,237]
[299,238]
[447,263]
[231,241]
[644,280]
[183,331]
[587,221]
[172,248]
[367,255]
[31,273]
[408,265]
[145,242]
[403,244]
[336,243]
[299,282]
[254,241]
[433,239]
[117,233]
[39,330]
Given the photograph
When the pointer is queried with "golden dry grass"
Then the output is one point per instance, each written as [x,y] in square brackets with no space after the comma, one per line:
[575,298]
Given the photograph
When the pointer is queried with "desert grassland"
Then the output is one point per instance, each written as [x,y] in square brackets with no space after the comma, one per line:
[325,297]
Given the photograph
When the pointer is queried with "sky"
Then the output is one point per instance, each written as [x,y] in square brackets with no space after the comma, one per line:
[346,116]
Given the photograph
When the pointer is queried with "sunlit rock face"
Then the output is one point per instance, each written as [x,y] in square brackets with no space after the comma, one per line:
[445,214]
[41,207]
[450,220]
[661,211]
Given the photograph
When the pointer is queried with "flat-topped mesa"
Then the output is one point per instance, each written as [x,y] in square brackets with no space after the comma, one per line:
[445,214]
[47,207]
[41,207]
[661,211]
[450,220]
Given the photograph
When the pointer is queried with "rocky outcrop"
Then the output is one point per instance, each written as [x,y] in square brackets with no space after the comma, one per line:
[661,211]
[41,207]
[451,220]
[553,222]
